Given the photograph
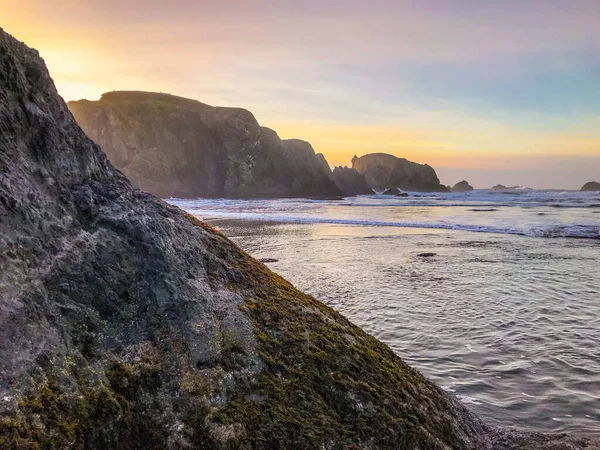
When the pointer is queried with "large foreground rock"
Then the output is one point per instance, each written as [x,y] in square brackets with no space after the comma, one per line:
[177,147]
[385,171]
[350,182]
[127,324]
[591,186]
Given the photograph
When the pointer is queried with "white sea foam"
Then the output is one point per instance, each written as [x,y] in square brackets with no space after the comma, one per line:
[559,231]
[468,400]
[547,214]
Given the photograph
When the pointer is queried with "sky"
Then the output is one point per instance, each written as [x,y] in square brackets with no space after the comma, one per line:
[490,91]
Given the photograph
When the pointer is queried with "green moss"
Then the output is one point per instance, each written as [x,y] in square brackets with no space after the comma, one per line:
[326,383]
[56,415]
[51,418]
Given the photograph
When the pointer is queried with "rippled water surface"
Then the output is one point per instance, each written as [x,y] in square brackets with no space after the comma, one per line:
[505,314]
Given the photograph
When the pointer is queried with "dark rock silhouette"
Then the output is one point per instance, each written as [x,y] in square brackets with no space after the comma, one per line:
[501,187]
[392,191]
[350,182]
[385,171]
[462,186]
[177,147]
[591,186]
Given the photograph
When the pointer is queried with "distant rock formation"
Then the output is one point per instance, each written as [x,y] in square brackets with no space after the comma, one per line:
[462,186]
[350,182]
[501,187]
[177,147]
[392,191]
[591,186]
[385,171]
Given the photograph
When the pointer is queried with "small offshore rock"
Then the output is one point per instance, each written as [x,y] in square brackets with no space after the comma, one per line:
[462,186]
[591,186]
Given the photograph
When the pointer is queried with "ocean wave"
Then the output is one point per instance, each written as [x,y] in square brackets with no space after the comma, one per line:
[472,199]
[551,231]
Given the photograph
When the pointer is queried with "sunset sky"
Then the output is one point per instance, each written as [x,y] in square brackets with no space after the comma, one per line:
[491,91]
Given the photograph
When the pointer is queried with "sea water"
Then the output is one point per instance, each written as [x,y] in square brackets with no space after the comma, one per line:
[505,314]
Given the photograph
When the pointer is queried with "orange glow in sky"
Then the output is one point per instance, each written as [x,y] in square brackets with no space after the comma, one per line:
[487,87]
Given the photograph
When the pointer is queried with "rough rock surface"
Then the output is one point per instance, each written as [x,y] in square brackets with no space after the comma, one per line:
[462,186]
[591,186]
[127,324]
[385,171]
[350,182]
[177,147]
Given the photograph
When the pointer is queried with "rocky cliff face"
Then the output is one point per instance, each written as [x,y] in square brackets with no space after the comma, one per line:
[351,182]
[128,324]
[177,147]
[386,171]
[591,186]
[462,186]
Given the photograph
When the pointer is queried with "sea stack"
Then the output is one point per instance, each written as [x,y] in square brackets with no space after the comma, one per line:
[385,171]
[176,147]
[351,182]
[462,186]
[591,186]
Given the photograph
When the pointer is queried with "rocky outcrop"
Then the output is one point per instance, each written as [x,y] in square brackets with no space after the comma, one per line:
[392,191]
[177,147]
[127,324]
[501,187]
[462,186]
[350,182]
[385,171]
[591,186]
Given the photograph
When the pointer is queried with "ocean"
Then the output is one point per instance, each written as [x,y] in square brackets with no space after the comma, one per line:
[494,296]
